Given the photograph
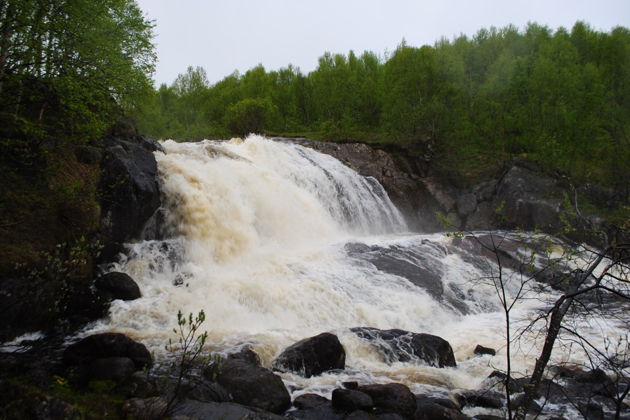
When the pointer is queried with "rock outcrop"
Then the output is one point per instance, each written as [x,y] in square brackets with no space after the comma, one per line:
[522,195]
[107,345]
[250,384]
[108,356]
[312,356]
[117,285]
[404,346]
[128,188]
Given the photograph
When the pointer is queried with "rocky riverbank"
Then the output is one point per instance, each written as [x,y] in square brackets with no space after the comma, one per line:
[110,376]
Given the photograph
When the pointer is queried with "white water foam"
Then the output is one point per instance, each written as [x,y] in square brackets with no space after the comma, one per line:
[258,237]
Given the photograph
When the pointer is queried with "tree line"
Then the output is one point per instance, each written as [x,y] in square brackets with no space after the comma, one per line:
[556,96]
[68,66]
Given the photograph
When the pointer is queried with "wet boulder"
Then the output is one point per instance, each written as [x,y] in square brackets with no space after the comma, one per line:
[250,384]
[391,398]
[145,408]
[428,410]
[481,350]
[308,401]
[107,345]
[312,356]
[117,285]
[128,188]
[487,399]
[351,400]
[246,354]
[319,412]
[117,369]
[404,346]
[191,409]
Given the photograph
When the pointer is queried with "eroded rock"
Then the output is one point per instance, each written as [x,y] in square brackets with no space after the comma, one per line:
[312,356]
[404,346]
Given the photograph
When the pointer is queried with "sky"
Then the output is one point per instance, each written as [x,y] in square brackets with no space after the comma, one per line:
[227,35]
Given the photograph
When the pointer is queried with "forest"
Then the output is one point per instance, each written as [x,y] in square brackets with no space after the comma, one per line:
[560,97]
[82,186]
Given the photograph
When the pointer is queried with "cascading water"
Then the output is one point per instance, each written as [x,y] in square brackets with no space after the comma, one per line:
[277,242]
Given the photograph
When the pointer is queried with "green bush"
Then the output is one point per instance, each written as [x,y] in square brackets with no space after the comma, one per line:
[250,116]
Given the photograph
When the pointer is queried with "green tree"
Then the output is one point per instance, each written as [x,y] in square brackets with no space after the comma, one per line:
[249,116]
[79,59]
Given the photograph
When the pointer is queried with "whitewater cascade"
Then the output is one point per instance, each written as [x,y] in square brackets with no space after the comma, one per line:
[277,242]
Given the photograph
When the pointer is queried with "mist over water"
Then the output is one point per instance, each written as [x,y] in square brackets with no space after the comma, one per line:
[277,242]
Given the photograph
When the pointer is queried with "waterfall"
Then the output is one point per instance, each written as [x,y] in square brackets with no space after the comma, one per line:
[277,242]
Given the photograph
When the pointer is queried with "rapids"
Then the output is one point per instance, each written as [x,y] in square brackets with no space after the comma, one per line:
[277,242]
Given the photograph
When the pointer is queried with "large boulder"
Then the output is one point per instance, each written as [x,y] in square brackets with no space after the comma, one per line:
[393,398]
[319,412]
[191,409]
[404,346]
[107,345]
[117,369]
[312,356]
[429,409]
[128,188]
[483,398]
[350,400]
[308,401]
[250,384]
[118,286]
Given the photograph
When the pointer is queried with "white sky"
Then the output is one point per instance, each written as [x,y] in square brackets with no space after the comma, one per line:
[227,35]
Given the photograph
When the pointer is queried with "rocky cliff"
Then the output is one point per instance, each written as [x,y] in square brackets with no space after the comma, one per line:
[522,195]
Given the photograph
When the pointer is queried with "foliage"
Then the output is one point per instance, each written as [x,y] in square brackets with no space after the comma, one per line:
[68,66]
[24,397]
[249,116]
[559,97]
[190,346]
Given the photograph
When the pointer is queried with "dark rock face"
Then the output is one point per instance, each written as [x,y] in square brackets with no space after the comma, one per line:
[585,385]
[107,345]
[246,354]
[521,193]
[75,306]
[117,369]
[206,391]
[394,398]
[308,401]
[350,400]
[251,385]
[528,197]
[312,356]
[118,286]
[487,399]
[191,409]
[145,408]
[404,346]
[428,410]
[361,415]
[320,412]
[128,187]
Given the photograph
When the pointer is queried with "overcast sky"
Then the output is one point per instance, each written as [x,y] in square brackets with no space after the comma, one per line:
[227,35]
